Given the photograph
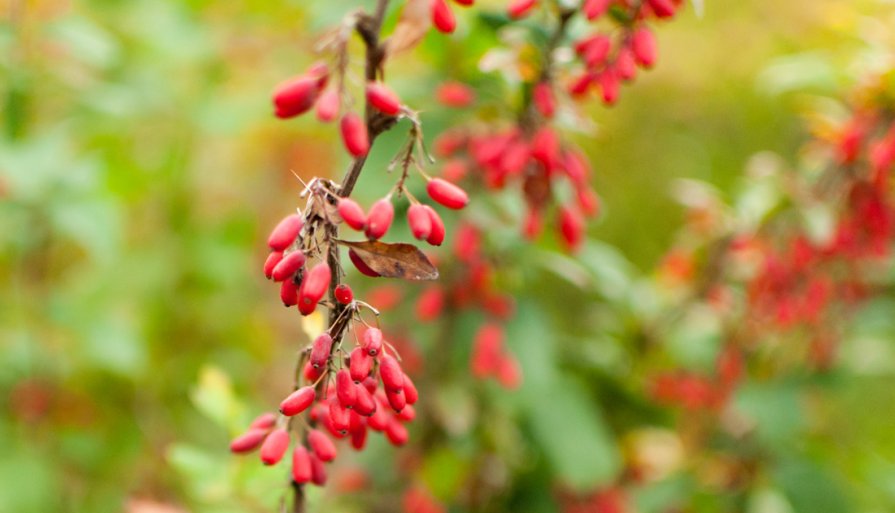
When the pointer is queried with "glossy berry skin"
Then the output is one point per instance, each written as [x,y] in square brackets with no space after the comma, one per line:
[520,8]
[298,401]
[284,234]
[396,433]
[354,135]
[447,194]
[380,218]
[288,266]
[301,465]
[643,45]
[248,441]
[345,388]
[391,374]
[272,260]
[361,364]
[571,227]
[436,236]
[372,341]
[442,16]
[352,214]
[410,392]
[315,283]
[295,97]
[383,99]
[344,294]
[328,106]
[289,293]
[320,350]
[264,421]
[321,445]
[420,222]
[275,446]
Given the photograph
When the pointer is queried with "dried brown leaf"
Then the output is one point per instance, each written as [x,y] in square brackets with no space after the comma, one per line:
[399,260]
[411,28]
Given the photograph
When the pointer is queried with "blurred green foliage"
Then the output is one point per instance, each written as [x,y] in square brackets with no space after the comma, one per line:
[140,170]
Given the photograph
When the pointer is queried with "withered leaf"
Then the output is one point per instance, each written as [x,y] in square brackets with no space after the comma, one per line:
[411,28]
[399,260]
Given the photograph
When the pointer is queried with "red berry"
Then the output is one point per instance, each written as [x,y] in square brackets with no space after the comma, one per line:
[542,96]
[609,86]
[662,8]
[594,50]
[533,224]
[454,94]
[588,201]
[576,167]
[295,96]
[364,404]
[436,236]
[288,266]
[396,399]
[380,218]
[593,9]
[328,106]
[454,170]
[312,373]
[301,465]
[358,432]
[407,414]
[430,304]
[383,99]
[248,441]
[643,44]
[545,147]
[285,232]
[487,349]
[320,350]
[509,374]
[264,421]
[571,227]
[625,66]
[354,135]
[339,415]
[447,194]
[289,293]
[379,420]
[345,388]
[391,374]
[275,446]
[420,222]
[467,244]
[361,364]
[352,213]
[323,447]
[315,283]
[520,8]
[464,2]
[443,17]
[361,265]
[272,260]
[410,391]
[343,294]
[396,433]
[372,344]
[298,401]
[318,471]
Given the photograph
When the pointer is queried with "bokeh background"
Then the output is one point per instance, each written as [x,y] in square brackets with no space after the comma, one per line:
[141,168]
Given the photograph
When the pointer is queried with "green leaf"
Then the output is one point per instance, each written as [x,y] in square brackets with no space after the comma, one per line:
[810,488]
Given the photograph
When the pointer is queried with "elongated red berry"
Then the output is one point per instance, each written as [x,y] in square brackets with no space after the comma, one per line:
[323,447]
[301,465]
[436,236]
[408,413]
[396,400]
[593,9]
[358,430]
[594,49]
[571,227]
[625,65]
[295,96]
[487,350]
[343,294]
[380,218]
[360,265]
[315,283]
[383,99]
[662,8]
[453,94]
[339,415]
[264,421]
[320,350]
[410,391]
[352,213]
[545,146]
[248,441]
[509,374]
[311,373]
[533,224]
[391,374]
[354,135]
[379,420]
[272,260]
[442,17]
[298,401]
[576,167]
[643,44]
[396,433]
[372,343]
[430,304]
[289,293]
[275,446]
[419,221]
[364,404]
[609,86]
[520,8]
[345,388]
[284,234]
[447,194]
[361,364]
[588,201]
[318,471]
[543,99]
[328,106]
[288,266]
[464,2]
